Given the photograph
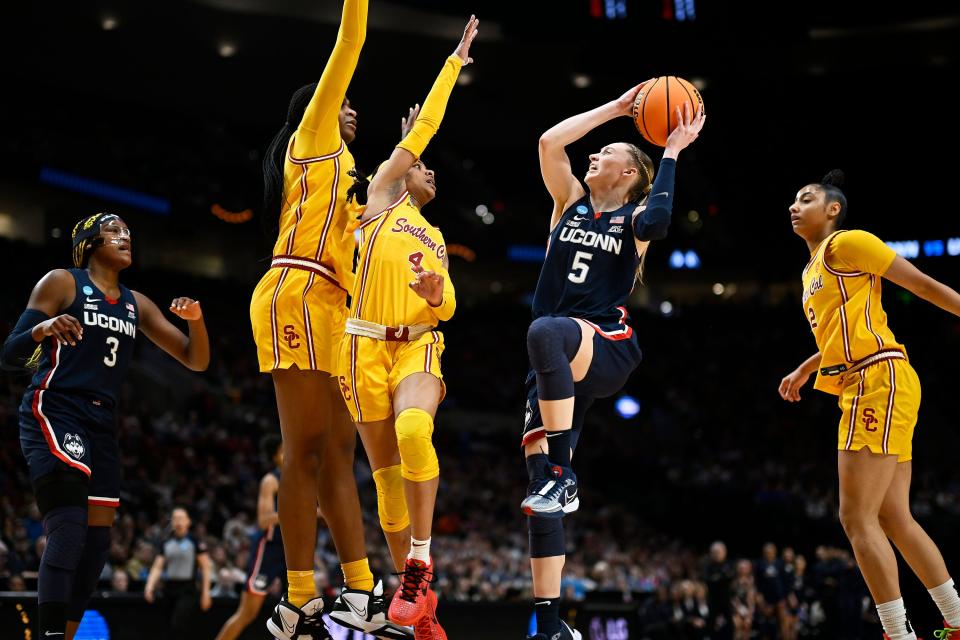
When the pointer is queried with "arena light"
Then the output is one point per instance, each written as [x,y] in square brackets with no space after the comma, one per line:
[227,49]
[688,259]
[627,406]
[685,10]
[908,249]
[104,191]
[718,289]
[616,9]
[526,253]
[109,22]
[666,308]
[933,248]
[581,80]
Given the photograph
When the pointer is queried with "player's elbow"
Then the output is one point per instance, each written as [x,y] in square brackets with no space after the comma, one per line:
[198,364]
[549,142]
[653,224]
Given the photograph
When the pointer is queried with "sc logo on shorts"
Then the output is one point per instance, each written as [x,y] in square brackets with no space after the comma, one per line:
[345,388]
[291,337]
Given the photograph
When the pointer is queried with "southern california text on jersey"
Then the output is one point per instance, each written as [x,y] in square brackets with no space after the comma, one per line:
[390,246]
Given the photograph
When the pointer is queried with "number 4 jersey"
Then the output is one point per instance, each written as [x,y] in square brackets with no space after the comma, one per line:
[590,268]
[389,248]
[96,366]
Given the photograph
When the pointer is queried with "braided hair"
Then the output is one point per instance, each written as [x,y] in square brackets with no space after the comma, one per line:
[277,151]
[86,237]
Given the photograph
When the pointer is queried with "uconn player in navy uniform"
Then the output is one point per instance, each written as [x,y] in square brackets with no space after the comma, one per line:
[267,562]
[580,345]
[77,333]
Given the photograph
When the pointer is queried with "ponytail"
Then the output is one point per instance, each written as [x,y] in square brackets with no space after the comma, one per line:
[275,155]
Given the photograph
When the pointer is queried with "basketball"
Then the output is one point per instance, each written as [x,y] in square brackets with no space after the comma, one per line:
[655,108]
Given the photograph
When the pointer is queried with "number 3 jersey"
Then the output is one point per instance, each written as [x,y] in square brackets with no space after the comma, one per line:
[841,299]
[590,268]
[389,246]
[96,366]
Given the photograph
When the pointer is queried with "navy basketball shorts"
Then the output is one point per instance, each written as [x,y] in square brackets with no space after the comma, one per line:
[613,362]
[267,563]
[60,431]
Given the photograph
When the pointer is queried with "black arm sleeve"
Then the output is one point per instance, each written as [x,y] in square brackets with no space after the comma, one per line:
[653,223]
[20,345]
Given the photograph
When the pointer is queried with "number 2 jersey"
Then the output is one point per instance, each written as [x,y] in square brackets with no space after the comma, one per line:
[590,268]
[95,368]
[841,299]
[389,246]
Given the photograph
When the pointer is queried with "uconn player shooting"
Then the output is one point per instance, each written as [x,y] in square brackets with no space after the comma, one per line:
[77,336]
[580,345]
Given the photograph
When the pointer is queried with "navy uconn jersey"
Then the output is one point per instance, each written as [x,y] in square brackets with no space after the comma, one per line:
[272,533]
[96,366]
[590,268]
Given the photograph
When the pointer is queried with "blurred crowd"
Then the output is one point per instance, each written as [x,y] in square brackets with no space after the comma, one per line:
[704,461]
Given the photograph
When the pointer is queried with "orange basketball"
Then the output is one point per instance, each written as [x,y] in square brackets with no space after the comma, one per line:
[655,108]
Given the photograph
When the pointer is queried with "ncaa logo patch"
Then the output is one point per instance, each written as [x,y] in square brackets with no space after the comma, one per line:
[73,445]
[88,290]
[582,209]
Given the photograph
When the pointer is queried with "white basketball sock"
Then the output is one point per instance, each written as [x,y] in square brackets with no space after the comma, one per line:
[947,600]
[893,615]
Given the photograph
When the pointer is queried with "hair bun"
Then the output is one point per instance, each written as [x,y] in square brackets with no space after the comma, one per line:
[834,178]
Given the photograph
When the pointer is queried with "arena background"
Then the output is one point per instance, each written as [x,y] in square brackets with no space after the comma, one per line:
[161,111]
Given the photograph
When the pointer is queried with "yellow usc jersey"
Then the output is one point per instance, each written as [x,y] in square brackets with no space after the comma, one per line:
[389,245]
[841,299]
[314,222]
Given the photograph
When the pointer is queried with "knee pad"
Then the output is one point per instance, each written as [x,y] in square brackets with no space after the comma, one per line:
[391,503]
[547,538]
[66,531]
[418,458]
[552,343]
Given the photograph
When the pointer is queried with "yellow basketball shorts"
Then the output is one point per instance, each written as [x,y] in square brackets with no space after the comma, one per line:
[298,318]
[371,370]
[880,405]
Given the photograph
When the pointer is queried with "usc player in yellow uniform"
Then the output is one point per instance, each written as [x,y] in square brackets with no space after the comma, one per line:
[297,312]
[860,360]
[390,356]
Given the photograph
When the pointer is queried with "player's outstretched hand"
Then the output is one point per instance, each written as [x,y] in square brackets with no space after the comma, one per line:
[186,308]
[469,33]
[429,286]
[790,385]
[65,329]
[688,128]
[406,124]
